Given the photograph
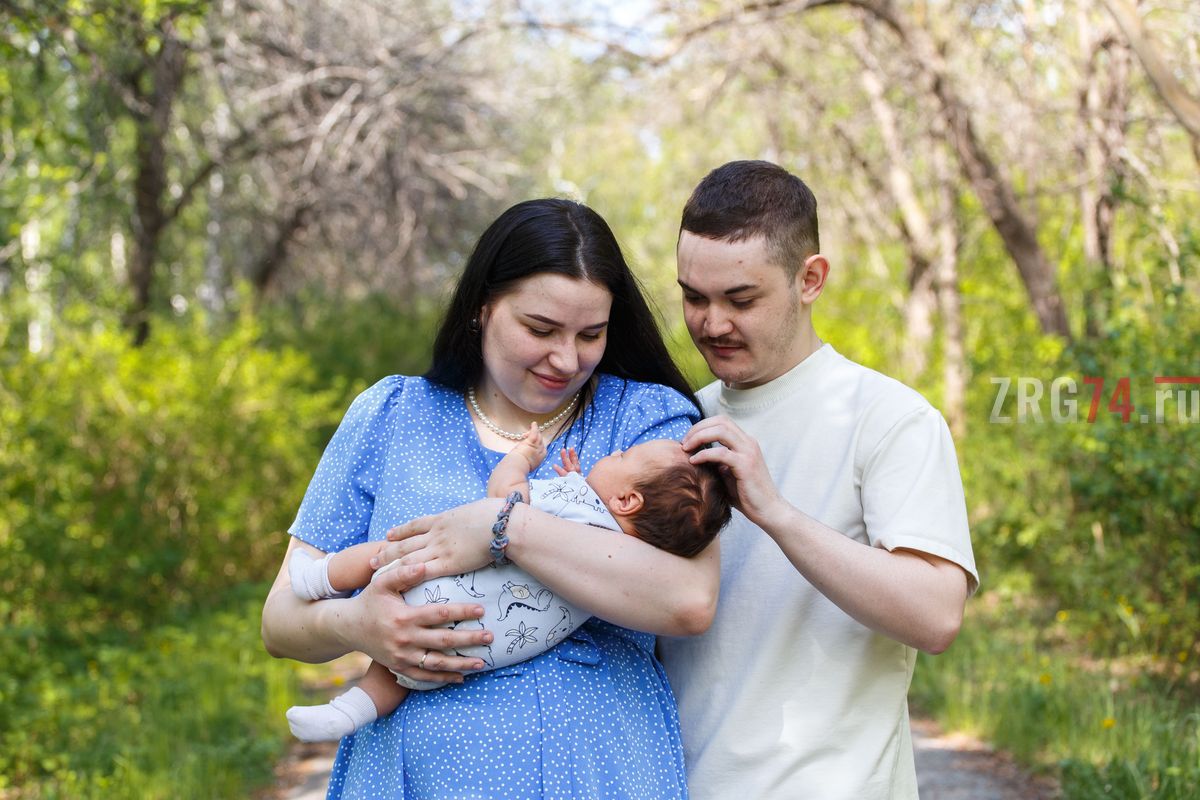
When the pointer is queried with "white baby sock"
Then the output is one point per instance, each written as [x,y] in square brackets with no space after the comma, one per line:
[310,577]
[339,717]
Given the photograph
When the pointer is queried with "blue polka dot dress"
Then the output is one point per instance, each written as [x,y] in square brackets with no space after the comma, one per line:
[590,718]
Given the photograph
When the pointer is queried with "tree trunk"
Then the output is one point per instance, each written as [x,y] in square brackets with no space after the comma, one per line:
[995,194]
[264,273]
[921,300]
[1104,106]
[150,216]
[954,360]
[1185,107]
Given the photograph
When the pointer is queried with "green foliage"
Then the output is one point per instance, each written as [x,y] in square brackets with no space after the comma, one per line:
[190,710]
[1134,524]
[1117,729]
[355,343]
[136,480]
[1100,515]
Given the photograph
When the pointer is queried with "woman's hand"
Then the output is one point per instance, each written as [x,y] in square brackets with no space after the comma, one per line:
[451,543]
[406,638]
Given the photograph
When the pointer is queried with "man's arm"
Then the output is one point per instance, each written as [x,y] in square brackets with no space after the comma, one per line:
[912,597]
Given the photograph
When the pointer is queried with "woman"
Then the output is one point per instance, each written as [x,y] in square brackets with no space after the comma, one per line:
[547,324]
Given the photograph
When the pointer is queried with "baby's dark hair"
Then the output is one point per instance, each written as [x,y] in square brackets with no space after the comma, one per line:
[684,507]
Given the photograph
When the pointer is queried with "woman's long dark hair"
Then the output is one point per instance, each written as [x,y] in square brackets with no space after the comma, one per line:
[566,238]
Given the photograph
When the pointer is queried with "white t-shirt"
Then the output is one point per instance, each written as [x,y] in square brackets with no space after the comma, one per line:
[786,696]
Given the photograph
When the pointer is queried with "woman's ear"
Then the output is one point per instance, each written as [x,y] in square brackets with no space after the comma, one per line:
[627,503]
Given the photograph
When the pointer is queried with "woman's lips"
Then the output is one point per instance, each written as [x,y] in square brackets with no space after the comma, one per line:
[553,384]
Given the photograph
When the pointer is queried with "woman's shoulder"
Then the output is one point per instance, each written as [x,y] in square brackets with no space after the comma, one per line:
[622,395]
[394,392]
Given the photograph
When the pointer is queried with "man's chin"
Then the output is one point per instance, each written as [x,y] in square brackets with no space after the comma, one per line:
[726,373]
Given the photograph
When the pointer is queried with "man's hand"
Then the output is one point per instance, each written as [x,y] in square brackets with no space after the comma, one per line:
[741,464]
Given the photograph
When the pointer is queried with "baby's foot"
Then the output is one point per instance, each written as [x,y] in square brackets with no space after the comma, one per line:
[339,717]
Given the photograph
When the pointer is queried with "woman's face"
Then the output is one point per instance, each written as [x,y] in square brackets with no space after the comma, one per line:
[541,342]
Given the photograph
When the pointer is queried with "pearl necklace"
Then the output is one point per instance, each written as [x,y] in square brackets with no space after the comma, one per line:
[516,437]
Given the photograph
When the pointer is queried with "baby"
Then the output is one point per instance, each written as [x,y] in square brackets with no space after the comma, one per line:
[650,491]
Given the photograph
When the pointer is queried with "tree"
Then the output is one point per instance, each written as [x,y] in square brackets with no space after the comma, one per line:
[1174,94]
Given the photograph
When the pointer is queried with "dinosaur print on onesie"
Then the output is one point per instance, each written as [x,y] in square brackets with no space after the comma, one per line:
[525,616]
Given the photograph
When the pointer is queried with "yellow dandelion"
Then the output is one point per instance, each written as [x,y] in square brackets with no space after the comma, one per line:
[338,680]
[1108,723]
[1045,679]
[1182,656]
[1063,616]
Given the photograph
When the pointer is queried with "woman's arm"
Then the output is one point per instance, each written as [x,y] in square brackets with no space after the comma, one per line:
[376,622]
[619,578]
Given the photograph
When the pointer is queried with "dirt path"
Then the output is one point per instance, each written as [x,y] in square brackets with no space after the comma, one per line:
[304,772]
[949,766]
[952,766]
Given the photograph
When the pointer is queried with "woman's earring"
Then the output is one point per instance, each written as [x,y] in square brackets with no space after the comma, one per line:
[473,325]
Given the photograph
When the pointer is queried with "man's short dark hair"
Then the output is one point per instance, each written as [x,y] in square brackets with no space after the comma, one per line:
[684,506]
[743,199]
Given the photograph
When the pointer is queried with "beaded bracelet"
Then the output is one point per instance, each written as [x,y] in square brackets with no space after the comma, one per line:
[499,537]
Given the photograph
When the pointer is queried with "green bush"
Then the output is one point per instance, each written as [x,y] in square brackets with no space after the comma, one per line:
[1100,517]
[355,343]
[134,481]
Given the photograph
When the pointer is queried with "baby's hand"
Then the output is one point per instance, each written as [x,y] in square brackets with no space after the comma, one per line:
[533,447]
[570,462]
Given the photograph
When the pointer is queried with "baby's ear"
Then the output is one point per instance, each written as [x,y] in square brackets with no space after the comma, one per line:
[626,504]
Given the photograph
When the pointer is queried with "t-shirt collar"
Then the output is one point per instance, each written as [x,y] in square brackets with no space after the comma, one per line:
[774,390]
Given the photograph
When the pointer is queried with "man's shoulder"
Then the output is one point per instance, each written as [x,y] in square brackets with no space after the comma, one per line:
[878,392]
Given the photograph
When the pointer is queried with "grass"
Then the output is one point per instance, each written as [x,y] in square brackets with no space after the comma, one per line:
[190,710]
[1124,727]
[195,709]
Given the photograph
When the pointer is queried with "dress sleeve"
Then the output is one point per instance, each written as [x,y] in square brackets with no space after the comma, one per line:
[912,492]
[653,412]
[337,507]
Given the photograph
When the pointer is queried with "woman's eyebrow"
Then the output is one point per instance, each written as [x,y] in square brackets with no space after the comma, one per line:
[557,324]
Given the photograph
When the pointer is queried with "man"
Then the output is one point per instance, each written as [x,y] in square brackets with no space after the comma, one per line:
[850,551]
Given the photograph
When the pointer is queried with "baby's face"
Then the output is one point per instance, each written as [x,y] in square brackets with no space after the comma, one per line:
[616,474]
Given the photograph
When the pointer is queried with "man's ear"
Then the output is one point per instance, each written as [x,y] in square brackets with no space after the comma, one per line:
[810,279]
[626,504]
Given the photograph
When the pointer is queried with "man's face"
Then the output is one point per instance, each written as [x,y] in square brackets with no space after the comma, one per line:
[743,313]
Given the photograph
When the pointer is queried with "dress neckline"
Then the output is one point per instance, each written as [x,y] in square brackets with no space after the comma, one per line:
[465,411]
